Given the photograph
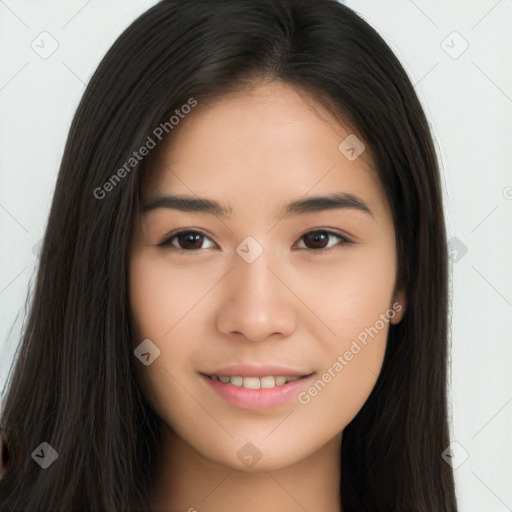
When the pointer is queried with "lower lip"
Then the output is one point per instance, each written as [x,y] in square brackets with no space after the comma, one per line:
[257,399]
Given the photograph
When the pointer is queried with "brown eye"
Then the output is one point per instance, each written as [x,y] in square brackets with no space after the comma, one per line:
[320,240]
[186,240]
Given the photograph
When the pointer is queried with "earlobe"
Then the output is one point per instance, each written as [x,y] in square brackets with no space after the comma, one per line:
[398,307]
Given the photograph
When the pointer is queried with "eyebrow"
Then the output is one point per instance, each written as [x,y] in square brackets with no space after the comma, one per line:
[186,203]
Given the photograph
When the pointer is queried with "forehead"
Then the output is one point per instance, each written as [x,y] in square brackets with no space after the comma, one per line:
[258,145]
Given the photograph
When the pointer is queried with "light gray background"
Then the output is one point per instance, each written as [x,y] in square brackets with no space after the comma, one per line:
[468,100]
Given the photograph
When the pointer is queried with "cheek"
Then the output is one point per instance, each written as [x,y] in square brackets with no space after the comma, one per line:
[352,363]
[158,299]
[354,302]
[160,295]
[350,293]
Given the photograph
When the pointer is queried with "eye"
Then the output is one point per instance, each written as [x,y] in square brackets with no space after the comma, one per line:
[317,240]
[185,237]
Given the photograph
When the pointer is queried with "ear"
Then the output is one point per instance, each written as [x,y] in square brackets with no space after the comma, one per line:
[398,306]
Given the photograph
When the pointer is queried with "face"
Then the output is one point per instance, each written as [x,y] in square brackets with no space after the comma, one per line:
[258,289]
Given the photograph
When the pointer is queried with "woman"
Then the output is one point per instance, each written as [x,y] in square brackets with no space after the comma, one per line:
[260,368]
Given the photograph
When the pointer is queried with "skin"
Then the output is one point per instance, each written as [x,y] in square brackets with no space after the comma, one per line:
[256,150]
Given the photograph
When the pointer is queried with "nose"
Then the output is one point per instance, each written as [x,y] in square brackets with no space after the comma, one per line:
[257,301]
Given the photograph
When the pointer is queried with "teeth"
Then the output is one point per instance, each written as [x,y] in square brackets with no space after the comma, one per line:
[237,381]
[250,382]
[267,382]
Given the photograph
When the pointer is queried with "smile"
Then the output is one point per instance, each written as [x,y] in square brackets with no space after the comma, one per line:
[253,393]
[267,382]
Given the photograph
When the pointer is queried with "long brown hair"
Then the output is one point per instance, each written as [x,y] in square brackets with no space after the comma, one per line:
[72,384]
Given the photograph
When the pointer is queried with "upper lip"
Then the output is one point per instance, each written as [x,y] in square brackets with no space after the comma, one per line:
[254,370]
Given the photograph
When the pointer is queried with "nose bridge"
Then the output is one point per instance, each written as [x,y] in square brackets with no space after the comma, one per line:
[253,279]
[256,303]
[256,277]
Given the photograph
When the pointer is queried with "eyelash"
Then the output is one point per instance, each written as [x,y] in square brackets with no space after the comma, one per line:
[167,242]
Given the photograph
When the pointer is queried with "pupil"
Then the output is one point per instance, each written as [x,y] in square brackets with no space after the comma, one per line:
[192,238]
[315,237]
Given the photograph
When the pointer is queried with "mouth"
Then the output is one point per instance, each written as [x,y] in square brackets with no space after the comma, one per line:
[256,393]
[253,382]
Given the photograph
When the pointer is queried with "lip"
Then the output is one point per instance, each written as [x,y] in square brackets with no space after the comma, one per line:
[252,370]
[257,399]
